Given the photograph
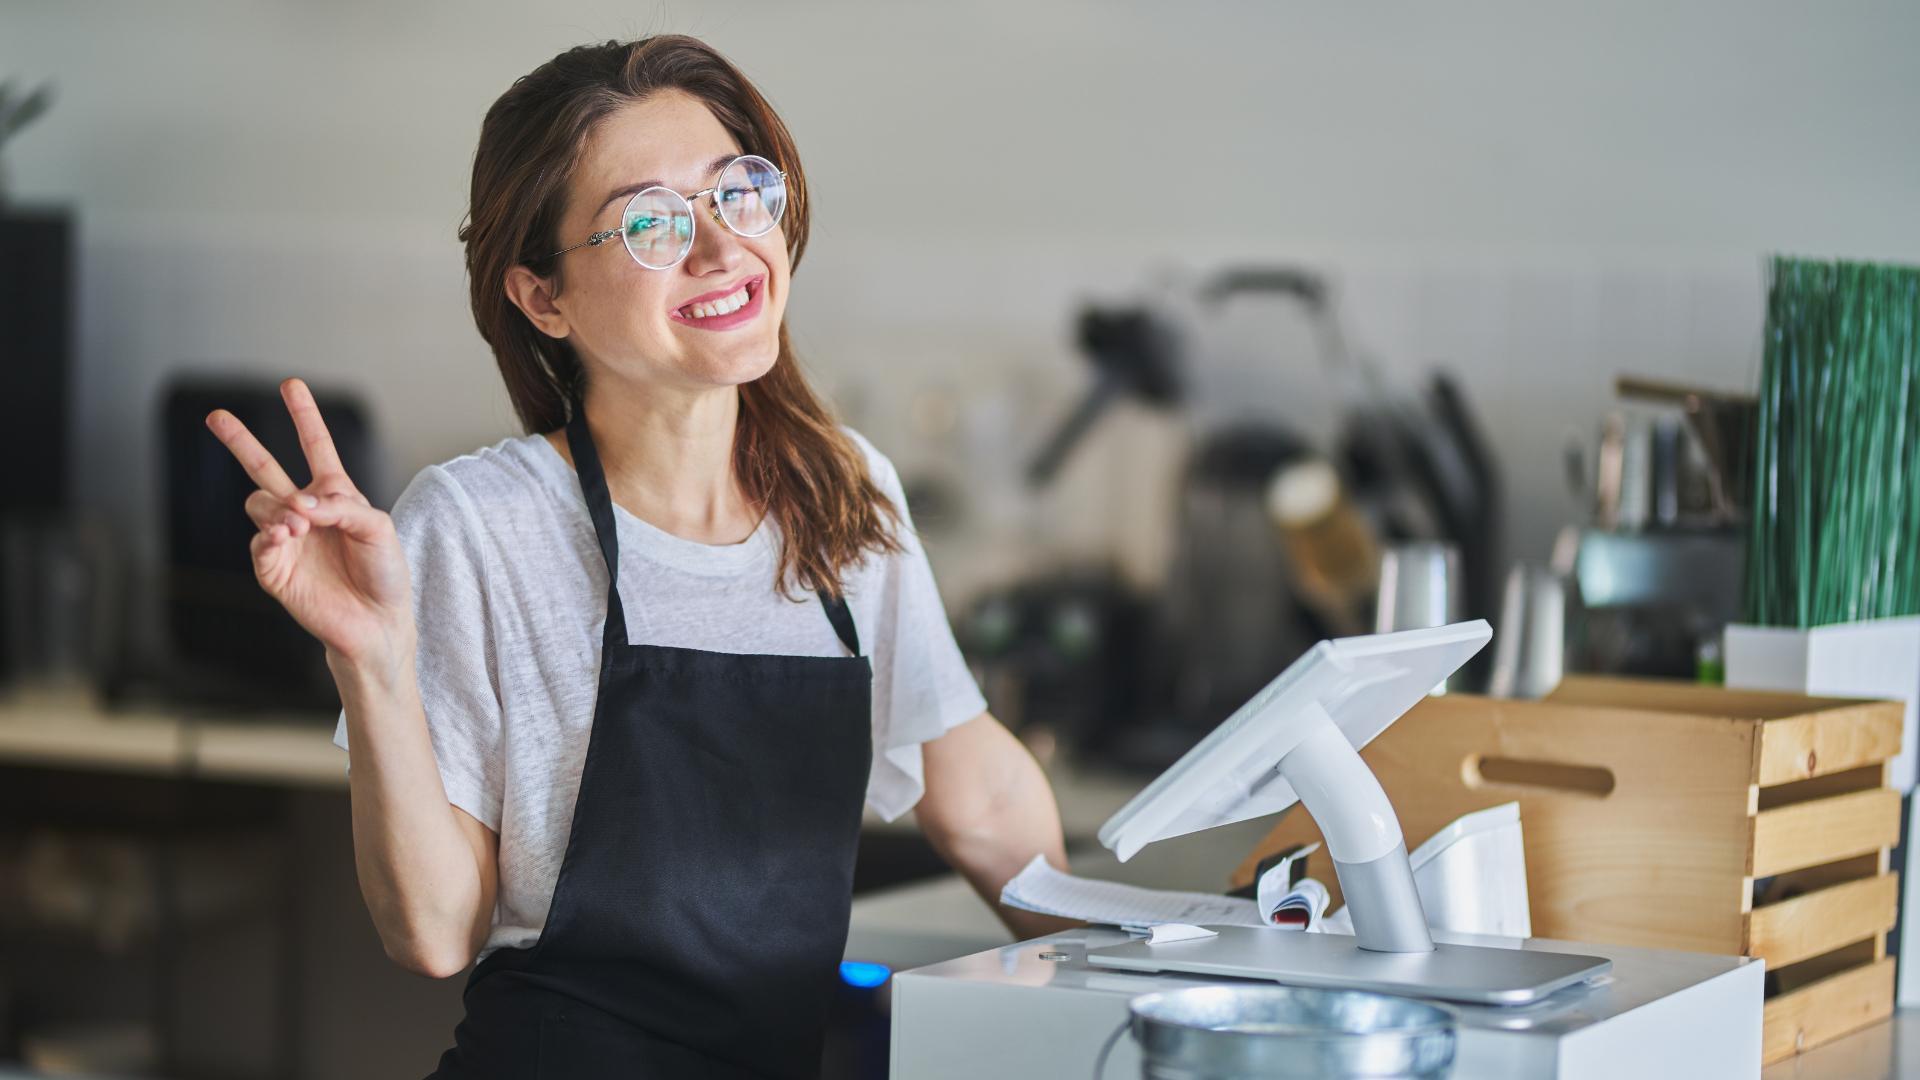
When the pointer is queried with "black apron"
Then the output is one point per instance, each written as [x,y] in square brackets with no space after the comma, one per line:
[700,913]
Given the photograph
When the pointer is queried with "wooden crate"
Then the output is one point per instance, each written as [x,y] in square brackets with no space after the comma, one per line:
[1651,809]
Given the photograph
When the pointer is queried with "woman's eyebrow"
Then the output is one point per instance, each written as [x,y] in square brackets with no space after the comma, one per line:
[631,190]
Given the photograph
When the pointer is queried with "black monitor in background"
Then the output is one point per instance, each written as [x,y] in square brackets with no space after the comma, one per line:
[36,349]
[229,643]
[36,366]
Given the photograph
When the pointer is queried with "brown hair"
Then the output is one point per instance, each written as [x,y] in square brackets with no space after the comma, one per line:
[792,459]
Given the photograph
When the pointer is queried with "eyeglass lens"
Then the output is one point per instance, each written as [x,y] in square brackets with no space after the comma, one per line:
[658,223]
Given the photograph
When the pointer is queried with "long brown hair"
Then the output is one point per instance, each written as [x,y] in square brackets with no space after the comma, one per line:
[791,458]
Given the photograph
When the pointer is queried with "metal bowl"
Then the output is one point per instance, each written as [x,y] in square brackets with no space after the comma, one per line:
[1237,1032]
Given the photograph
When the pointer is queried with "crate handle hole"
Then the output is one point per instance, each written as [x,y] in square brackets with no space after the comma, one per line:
[1592,780]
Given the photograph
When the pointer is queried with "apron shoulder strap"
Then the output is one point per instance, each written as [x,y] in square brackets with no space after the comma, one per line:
[593,487]
[842,620]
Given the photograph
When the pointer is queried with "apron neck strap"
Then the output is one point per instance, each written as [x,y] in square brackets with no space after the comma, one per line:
[593,487]
[842,621]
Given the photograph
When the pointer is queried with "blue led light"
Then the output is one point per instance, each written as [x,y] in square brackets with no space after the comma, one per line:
[862,974]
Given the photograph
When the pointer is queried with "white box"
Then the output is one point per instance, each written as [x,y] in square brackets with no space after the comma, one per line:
[1038,1011]
[1879,658]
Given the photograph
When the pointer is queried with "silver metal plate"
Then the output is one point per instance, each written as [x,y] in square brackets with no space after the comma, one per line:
[1479,974]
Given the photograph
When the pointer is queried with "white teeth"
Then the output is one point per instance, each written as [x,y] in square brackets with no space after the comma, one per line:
[726,305]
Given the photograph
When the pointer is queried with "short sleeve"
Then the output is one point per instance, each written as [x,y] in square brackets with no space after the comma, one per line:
[921,685]
[455,660]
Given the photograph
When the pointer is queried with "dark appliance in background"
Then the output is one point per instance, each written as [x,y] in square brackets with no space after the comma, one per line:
[1067,651]
[1658,571]
[1231,613]
[36,363]
[1228,618]
[228,642]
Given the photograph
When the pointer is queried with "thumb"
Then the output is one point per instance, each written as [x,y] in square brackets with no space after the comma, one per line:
[350,515]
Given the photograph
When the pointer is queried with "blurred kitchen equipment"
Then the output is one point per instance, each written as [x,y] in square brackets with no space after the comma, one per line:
[1659,569]
[1065,650]
[1722,428]
[1644,601]
[1330,546]
[1664,466]
[36,358]
[1229,614]
[1424,466]
[1530,641]
[230,643]
[1134,351]
[1234,1032]
[1636,479]
[1235,605]
[36,363]
[1419,587]
[61,598]
[18,108]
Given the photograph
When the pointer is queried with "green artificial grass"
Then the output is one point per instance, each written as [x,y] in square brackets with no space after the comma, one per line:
[1836,517]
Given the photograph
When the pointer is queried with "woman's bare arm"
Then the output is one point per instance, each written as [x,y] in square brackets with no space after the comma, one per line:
[428,871]
[988,810]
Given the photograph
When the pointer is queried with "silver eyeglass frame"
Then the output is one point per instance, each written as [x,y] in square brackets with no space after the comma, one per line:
[693,216]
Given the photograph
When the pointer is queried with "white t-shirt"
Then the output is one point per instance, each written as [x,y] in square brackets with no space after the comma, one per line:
[510,596]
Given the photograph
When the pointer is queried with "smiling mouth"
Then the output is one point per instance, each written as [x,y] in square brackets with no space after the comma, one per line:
[718,309]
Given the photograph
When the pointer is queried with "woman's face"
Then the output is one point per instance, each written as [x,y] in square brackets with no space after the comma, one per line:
[634,323]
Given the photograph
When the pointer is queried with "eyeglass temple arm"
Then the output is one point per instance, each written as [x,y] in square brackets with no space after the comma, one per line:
[592,241]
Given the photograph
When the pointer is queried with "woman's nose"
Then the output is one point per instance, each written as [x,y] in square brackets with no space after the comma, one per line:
[715,247]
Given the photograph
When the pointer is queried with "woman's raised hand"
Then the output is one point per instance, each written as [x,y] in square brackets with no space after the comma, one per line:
[330,558]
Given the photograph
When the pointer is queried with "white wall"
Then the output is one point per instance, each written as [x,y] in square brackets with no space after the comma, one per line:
[1537,195]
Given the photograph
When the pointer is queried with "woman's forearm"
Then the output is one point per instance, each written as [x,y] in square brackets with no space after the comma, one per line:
[1024,823]
[988,811]
[426,877]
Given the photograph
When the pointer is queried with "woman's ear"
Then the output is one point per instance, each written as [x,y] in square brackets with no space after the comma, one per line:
[533,295]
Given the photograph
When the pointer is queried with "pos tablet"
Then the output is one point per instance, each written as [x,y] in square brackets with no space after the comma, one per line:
[1298,740]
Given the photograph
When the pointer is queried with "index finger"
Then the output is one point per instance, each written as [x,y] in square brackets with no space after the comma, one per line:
[259,463]
[322,459]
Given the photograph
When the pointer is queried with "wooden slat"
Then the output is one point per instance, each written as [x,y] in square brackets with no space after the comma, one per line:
[1822,921]
[1675,696]
[1823,1011]
[1829,741]
[1810,833]
[1802,736]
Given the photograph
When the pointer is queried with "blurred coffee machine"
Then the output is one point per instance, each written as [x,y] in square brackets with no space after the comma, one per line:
[1657,572]
[1238,602]
[228,642]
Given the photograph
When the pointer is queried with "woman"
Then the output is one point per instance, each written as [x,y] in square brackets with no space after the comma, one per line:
[616,691]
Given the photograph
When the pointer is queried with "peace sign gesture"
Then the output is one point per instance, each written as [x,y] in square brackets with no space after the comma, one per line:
[328,556]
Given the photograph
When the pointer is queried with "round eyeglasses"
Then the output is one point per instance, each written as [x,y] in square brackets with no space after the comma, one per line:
[657,223]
